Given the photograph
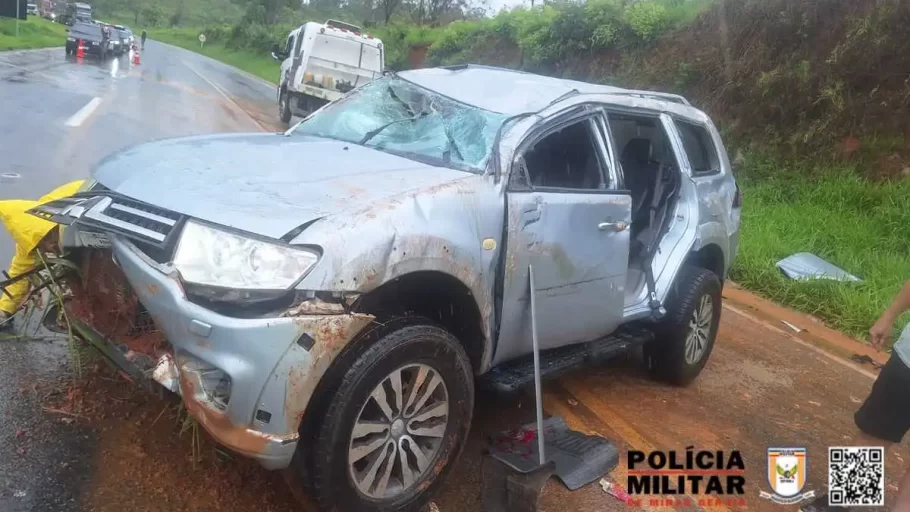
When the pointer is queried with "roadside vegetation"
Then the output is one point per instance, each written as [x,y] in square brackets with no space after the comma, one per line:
[862,226]
[809,94]
[34,33]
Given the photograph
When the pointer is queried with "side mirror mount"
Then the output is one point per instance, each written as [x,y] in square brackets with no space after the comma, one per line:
[276,52]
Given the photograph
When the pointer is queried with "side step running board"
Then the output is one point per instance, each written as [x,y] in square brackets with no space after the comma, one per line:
[513,376]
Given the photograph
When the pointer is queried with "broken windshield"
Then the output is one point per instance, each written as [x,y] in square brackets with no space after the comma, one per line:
[394,115]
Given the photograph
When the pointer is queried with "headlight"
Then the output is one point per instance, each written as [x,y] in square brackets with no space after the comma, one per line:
[212,257]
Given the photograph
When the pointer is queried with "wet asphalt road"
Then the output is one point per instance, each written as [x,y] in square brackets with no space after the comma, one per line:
[58,118]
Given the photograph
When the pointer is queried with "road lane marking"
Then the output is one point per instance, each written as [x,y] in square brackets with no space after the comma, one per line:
[79,117]
[810,346]
[225,94]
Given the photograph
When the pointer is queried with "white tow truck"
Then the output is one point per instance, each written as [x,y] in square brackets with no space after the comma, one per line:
[320,62]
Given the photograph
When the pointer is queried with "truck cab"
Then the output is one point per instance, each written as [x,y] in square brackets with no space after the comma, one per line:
[320,62]
[78,11]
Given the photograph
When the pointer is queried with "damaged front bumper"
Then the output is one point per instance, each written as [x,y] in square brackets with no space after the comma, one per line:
[246,380]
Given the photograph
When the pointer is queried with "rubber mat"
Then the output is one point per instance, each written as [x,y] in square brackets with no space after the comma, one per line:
[579,458]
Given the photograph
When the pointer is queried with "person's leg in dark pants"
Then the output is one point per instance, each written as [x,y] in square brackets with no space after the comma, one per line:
[882,420]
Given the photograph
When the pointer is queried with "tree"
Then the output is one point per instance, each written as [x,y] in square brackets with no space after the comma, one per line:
[153,15]
[388,8]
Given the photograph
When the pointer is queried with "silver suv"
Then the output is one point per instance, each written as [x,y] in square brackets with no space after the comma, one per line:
[331,293]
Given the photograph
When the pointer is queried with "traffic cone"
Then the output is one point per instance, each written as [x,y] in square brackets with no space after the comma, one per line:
[80,50]
[136,58]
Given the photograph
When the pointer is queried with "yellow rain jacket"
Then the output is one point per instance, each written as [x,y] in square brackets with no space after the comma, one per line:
[27,232]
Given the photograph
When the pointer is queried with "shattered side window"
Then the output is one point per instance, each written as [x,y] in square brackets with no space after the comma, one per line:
[394,115]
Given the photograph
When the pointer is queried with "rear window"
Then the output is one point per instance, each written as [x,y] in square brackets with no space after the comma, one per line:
[699,148]
[85,30]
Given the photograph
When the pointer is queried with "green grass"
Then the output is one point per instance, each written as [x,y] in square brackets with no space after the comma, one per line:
[34,33]
[262,66]
[861,226]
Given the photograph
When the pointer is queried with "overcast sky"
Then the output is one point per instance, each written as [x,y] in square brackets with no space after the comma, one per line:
[496,5]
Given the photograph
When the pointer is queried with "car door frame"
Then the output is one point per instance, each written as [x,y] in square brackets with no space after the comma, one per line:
[511,324]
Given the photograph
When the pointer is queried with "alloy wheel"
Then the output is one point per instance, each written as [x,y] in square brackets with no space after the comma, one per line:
[699,329]
[398,432]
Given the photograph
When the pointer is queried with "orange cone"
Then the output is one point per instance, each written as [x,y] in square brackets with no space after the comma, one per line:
[136,58]
[80,50]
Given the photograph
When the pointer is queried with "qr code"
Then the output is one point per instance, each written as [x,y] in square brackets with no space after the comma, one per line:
[856,476]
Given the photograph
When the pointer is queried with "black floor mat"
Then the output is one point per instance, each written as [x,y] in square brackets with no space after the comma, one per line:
[580,459]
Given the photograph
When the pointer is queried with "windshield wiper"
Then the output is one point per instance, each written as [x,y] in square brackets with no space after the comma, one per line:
[374,132]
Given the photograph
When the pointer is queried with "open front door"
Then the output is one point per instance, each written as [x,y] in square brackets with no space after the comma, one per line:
[566,218]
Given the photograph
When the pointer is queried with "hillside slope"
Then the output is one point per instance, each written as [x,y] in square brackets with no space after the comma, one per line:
[821,78]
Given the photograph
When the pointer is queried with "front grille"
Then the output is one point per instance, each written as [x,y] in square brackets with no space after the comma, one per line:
[153,229]
[131,218]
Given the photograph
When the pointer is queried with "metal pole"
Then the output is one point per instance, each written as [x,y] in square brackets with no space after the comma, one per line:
[17,18]
[537,391]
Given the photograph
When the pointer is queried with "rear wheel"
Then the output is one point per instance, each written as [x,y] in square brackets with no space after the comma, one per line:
[396,424]
[686,338]
[284,106]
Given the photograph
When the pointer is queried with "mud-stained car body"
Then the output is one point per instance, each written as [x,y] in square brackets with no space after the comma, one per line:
[330,293]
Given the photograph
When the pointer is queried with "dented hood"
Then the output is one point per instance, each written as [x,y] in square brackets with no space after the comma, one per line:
[265,184]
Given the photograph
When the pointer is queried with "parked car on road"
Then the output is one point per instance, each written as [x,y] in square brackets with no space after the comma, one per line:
[331,293]
[126,33]
[321,62]
[95,40]
[120,40]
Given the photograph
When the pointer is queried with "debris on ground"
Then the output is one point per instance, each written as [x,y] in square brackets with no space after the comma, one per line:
[432,507]
[791,326]
[139,450]
[615,490]
[580,458]
[805,266]
[866,359]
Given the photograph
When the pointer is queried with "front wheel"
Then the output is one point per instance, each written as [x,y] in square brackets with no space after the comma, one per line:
[284,107]
[396,424]
[686,337]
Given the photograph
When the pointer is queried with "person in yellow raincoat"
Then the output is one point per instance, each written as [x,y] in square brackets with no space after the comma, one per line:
[31,235]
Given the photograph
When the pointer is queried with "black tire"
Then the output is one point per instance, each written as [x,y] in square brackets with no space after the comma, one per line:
[332,483]
[666,356]
[284,106]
